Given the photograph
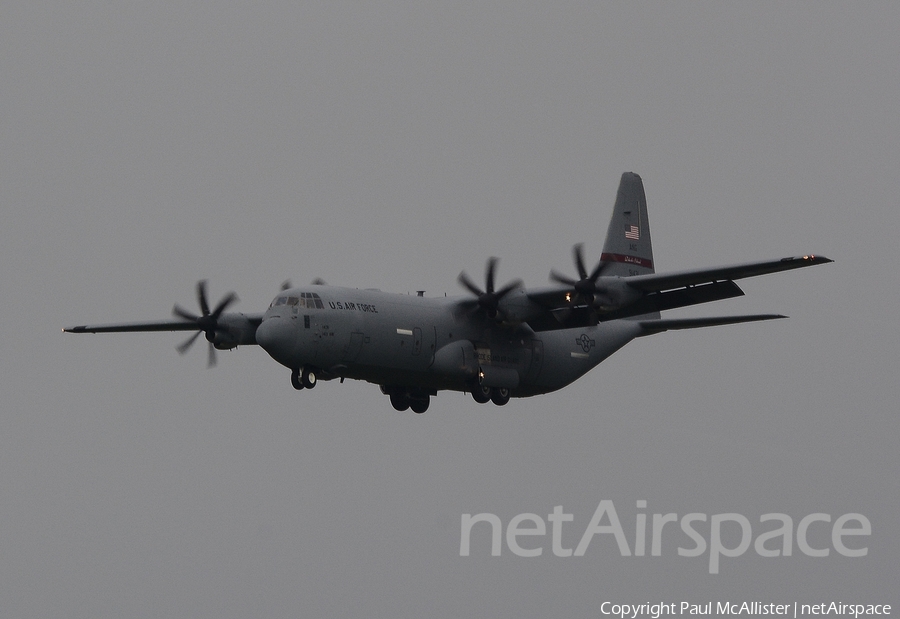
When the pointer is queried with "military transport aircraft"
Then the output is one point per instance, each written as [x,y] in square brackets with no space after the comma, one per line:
[496,343]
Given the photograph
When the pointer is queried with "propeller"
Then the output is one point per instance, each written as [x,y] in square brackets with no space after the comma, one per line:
[207,322]
[488,299]
[586,286]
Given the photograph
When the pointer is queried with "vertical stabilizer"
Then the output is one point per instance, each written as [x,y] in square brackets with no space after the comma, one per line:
[627,245]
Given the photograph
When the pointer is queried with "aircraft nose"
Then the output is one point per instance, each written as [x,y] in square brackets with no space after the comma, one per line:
[273,336]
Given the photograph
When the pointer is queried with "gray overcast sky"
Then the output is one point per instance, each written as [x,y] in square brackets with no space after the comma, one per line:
[149,145]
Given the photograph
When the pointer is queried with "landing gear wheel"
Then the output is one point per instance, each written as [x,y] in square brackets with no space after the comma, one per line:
[296,382]
[500,396]
[399,401]
[481,394]
[308,378]
[419,405]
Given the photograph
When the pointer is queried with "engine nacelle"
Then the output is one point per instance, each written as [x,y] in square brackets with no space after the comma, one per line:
[234,330]
[614,293]
[516,308]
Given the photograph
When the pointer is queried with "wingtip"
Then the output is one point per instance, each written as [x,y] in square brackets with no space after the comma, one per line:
[816,259]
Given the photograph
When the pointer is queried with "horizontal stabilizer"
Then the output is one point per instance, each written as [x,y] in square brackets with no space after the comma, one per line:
[649,327]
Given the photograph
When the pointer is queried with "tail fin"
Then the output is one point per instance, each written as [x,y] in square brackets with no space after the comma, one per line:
[627,245]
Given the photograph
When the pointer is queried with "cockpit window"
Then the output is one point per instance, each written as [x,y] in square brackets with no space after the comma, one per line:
[309,300]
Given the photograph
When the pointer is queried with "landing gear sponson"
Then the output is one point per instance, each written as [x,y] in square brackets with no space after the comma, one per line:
[406,398]
[417,400]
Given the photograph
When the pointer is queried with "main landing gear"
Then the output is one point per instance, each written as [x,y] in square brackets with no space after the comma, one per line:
[408,399]
[304,378]
[497,395]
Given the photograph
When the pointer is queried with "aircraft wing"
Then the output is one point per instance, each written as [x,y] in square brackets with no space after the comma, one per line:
[656,282]
[162,325]
[559,313]
[223,331]
[657,292]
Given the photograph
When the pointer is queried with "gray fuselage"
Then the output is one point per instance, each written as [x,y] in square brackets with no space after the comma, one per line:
[416,341]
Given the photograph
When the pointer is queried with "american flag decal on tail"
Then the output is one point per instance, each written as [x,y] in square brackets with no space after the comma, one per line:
[633,233]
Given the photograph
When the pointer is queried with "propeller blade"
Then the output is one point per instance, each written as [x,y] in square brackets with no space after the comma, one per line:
[586,287]
[489,299]
[319,282]
[181,313]
[579,260]
[598,270]
[228,300]
[469,284]
[207,322]
[211,356]
[516,283]
[185,345]
[489,274]
[286,284]
[562,279]
[201,297]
